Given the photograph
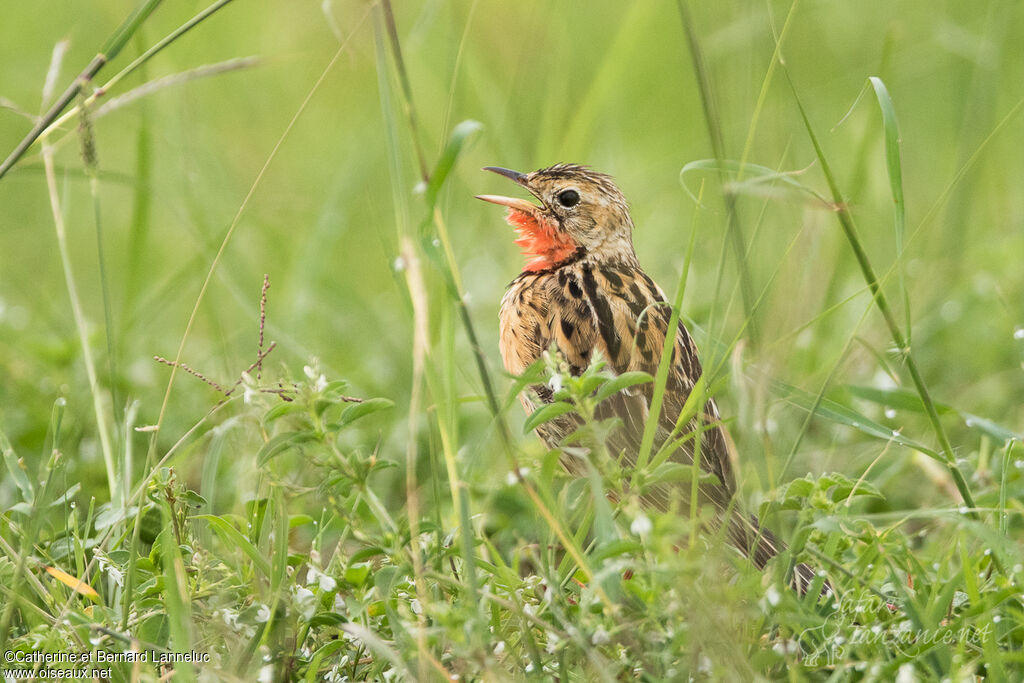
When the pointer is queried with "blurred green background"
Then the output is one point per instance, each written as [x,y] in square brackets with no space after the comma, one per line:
[609,84]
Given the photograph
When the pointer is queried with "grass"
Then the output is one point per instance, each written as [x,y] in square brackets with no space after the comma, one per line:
[328,478]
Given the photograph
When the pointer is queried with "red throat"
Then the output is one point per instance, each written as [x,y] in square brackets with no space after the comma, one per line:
[540,239]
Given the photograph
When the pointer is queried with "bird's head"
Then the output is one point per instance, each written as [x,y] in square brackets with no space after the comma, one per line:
[581,214]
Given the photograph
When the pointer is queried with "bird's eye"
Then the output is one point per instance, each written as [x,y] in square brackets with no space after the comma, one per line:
[568,198]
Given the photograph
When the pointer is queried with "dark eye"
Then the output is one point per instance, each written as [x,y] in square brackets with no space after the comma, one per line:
[568,198]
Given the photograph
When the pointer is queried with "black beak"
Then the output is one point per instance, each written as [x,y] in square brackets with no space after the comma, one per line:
[518,204]
[514,176]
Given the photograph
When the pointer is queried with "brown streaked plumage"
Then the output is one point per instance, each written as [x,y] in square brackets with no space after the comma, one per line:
[583,293]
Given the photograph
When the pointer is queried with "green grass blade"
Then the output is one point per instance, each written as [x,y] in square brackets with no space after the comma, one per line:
[237,539]
[176,596]
[894,166]
[714,126]
[16,466]
[849,230]
[665,362]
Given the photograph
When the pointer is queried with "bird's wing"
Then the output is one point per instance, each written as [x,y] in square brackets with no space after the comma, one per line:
[631,317]
[619,313]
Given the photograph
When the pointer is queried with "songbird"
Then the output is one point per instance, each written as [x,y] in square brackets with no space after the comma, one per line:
[582,292]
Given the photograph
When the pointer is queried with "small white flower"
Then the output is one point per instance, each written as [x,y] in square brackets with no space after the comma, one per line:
[230,618]
[600,636]
[115,574]
[883,380]
[500,647]
[305,601]
[641,525]
[996,618]
[415,606]
[555,383]
[263,614]
[310,371]
[512,479]
[772,596]
[266,673]
[327,583]
[906,674]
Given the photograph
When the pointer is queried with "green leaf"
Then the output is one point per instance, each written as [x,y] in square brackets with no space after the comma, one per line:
[17,469]
[902,399]
[895,170]
[358,410]
[357,575]
[755,176]
[335,387]
[848,488]
[282,409]
[366,553]
[385,579]
[905,399]
[840,414]
[327,619]
[328,650]
[282,442]
[623,381]
[299,520]
[590,383]
[616,548]
[986,426]
[798,488]
[460,135]
[109,515]
[66,496]
[892,150]
[232,536]
[193,499]
[545,414]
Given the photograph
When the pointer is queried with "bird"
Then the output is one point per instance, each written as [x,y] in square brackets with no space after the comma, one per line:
[583,294]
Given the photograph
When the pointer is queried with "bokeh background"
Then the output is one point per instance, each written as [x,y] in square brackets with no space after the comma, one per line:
[604,83]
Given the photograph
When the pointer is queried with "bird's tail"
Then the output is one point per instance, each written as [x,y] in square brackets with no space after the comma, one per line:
[760,545]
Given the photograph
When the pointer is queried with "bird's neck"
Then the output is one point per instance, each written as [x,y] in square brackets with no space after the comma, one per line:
[615,249]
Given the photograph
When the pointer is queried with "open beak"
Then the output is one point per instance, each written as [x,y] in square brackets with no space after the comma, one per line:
[511,202]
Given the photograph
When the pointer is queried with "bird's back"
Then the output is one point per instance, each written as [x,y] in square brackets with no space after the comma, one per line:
[615,310]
